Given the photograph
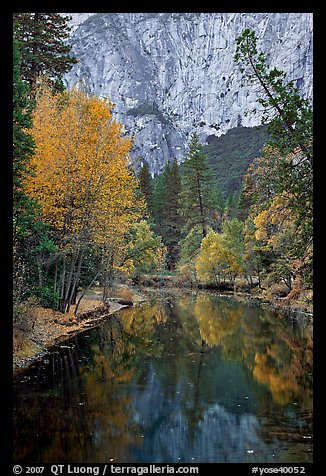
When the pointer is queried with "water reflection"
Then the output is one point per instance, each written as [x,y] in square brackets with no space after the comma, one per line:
[279,356]
[180,379]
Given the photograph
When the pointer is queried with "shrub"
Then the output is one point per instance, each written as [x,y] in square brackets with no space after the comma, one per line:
[278,290]
[46,297]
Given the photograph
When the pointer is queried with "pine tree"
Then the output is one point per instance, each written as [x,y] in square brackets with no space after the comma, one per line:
[31,240]
[23,144]
[218,204]
[196,194]
[166,210]
[42,38]
[146,185]
[289,115]
[232,205]
[159,199]
[23,148]
[171,214]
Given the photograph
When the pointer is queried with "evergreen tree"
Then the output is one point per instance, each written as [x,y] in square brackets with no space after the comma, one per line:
[196,195]
[23,147]
[159,195]
[146,186]
[246,201]
[288,114]
[166,210]
[23,144]
[290,123]
[42,38]
[219,205]
[171,214]
[232,205]
[32,244]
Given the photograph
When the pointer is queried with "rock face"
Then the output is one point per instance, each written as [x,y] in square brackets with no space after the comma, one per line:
[171,74]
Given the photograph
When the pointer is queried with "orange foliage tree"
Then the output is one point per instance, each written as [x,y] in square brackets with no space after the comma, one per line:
[279,222]
[82,178]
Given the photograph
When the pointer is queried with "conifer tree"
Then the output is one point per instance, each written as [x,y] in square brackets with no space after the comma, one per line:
[146,185]
[171,214]
[232,205]
[158,199]
[23,144]
[43,42]
[196,194]
[23,148]
[31,238]
[288,114]
[290,123]
[219,204]
[166,210]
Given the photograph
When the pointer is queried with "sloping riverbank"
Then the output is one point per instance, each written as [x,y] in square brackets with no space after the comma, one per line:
[50,327]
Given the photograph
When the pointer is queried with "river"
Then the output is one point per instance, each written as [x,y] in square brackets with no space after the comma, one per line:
[184,378]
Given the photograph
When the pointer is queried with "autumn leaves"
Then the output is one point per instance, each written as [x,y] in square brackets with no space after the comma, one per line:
[81,174]
[82,180]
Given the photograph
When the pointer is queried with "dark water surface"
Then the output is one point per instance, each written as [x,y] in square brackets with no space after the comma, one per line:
[184,378]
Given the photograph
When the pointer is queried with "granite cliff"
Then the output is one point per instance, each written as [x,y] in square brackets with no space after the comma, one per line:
[170,74]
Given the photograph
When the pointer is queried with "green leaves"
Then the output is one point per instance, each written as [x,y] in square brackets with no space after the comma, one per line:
[145,249]
[146,185]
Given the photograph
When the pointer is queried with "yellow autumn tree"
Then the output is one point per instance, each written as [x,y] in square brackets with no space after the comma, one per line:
[82,179]
[278,192]
[275,230]
[217,260]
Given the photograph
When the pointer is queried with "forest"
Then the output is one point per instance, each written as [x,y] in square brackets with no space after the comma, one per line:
[83,214]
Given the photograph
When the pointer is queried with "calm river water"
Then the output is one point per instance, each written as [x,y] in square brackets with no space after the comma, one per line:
[184,378]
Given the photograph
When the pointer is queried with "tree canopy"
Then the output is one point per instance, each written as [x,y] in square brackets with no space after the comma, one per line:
[43,43]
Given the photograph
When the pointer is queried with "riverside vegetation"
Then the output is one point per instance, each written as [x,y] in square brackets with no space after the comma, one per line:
[83,215]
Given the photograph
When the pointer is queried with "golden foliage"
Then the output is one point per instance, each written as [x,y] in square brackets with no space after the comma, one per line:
[277,216]
[81,173]
[215,259]
[283,383]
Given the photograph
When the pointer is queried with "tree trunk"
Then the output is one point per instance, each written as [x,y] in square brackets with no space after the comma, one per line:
[39,269]
[55,278]
[68,284]
[62,286]
[74,285]
[108,276]
[201,207]
[83,294]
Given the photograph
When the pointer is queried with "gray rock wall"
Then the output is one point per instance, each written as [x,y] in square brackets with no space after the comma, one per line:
[170,74]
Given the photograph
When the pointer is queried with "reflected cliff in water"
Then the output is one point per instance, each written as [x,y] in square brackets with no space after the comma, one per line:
[183,378]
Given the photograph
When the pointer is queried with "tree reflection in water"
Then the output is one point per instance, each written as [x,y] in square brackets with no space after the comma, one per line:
[186,378]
